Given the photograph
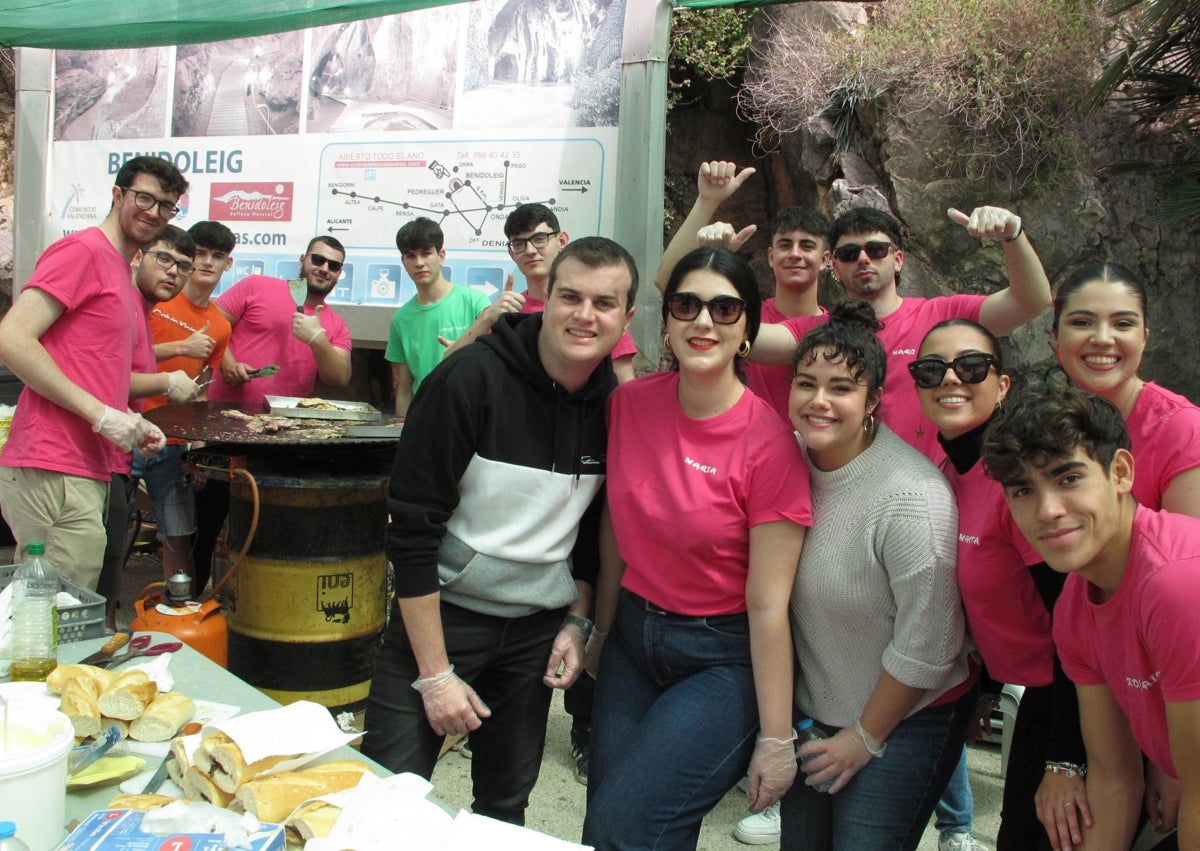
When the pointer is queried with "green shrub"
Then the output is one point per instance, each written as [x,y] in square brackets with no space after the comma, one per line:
[1007,77]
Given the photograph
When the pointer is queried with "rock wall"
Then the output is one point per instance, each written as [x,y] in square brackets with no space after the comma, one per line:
[1086,217]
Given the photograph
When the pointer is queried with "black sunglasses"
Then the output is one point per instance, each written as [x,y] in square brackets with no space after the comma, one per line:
[849,252]
[321,260]
[970,369]
[724,309]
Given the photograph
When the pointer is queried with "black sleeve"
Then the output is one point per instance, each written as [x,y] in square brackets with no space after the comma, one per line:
[439,438]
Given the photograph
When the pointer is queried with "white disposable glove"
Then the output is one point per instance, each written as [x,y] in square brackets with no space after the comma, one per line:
[119,427]
[180,388]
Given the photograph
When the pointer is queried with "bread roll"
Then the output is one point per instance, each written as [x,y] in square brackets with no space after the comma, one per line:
[79,696]
[199,787]
[163,718]
[228,769]
[314,819]
[128,695]
[121,725]
[141,803]
[60,676]
[273,798]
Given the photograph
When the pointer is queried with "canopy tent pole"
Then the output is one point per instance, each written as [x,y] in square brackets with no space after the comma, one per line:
[31,148]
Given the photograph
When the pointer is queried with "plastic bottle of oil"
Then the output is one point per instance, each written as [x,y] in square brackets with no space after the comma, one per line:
[35,627]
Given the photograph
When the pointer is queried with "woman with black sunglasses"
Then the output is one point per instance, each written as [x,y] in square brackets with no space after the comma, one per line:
[708,501]
[1008,592]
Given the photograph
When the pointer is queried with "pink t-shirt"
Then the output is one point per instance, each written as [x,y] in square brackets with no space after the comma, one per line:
[774,383]
[1006,616]
[1144,643]
[97,341]
[261,308]
[1164,431]
[684,493]
[901,335]
[625,348]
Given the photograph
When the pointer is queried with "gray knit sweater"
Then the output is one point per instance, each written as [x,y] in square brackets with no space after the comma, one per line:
[876,587]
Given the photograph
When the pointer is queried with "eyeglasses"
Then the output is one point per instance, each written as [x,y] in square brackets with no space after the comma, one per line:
[166,261]
[970,369]
[724,309]
[321,260]
[875,250]
[146,201]
[540,239]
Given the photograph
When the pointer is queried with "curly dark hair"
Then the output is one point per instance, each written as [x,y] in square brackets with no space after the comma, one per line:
[848,337]
[1038,426]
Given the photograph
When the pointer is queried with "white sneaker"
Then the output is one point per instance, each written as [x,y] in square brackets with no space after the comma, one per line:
[759,828]
[960,842]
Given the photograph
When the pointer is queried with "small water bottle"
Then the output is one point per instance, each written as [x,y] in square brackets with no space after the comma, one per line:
[8,838]
[34,621]
[807,732]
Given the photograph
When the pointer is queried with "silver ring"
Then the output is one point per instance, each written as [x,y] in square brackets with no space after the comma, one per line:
[1069,804]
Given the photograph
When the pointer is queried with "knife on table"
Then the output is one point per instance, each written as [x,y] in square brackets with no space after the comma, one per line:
[159,776]
[109,648]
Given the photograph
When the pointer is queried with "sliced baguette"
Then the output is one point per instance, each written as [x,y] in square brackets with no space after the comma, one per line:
[200,787]
[314,819]
[128,695]
[163,718]
[229,769]
[273,798]
[78,703]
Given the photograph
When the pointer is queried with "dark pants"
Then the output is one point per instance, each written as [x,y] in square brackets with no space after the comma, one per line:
[577,700]
[212,507]
[116,525]
[1020,829]
[504,660]
[887,804]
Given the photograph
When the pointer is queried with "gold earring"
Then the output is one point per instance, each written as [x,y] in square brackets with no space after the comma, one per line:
[744,349]
[666,341]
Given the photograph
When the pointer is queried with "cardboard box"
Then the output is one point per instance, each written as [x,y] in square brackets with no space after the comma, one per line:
[120,830]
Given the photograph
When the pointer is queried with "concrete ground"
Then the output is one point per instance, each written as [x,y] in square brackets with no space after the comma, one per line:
[558,801]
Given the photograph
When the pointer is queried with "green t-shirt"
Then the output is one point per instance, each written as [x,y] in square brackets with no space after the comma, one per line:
[415,328]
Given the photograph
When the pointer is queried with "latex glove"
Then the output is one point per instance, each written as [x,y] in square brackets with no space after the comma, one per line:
[718,180]
[835,759]
[150,438]
[722,233]
[119,427]
[306,328]
[772,771]
[988,222]
[566,657]
[1062,806]
[591,652]
[198,344]
[1162,799]
[451,705]
[180,388]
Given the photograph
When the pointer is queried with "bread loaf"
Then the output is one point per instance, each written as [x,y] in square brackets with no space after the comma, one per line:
[273,798]
[314,819]
[57,679]
[79,703]
[199,787]
[128,695]
[225,764]
[141,803]
[163,718]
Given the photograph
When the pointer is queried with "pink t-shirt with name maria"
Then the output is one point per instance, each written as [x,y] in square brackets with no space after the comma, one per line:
[684,493]
[261,310]
[1006,617]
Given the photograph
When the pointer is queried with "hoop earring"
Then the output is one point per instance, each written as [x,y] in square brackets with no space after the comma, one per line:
[869,423]
[744,349]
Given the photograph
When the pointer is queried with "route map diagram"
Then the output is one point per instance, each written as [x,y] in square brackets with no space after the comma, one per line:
[368,191]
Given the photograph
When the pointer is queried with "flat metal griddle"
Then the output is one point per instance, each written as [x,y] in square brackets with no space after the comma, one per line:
[204,421]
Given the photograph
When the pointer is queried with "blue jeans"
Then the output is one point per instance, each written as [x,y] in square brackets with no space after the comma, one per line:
[673,726]
[504,660]
[956,808]
[886,806]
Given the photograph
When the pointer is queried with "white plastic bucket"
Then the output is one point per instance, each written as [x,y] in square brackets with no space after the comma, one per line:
[33,773]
